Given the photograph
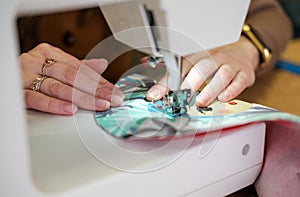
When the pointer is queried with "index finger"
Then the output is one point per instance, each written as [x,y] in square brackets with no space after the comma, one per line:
[201,72]
[158,90]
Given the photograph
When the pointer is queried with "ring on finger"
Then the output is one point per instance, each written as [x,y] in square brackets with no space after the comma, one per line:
[36,84]
[47,62]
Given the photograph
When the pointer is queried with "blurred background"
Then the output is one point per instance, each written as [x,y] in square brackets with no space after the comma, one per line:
[76,32]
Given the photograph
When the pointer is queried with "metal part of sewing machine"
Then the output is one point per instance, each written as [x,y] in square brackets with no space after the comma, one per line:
[141,23]
[175,102]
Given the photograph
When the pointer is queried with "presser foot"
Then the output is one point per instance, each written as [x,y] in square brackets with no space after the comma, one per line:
[173,104]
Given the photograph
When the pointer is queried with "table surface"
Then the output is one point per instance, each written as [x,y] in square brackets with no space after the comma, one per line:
[280,88]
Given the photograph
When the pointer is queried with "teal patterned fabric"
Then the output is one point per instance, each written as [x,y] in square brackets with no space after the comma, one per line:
[140,119]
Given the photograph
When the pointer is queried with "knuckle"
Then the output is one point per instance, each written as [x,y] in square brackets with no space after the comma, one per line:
[70,74]
[103,93]
[24,57]
[51,105]
[219,54]
[226,72]
[56,88]
[86,101]
[103,82]
[43,46]
[234,89]
[80,67]
[206,67]
[44,49]
[26,60]
[243,79]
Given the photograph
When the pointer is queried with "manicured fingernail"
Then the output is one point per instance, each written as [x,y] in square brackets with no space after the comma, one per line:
[102,104]
[116,100]
[223,96]
[69,108]
[202,99]
[153,94]
[117,91]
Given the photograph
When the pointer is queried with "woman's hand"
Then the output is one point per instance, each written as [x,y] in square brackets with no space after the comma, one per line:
[228,70]
[69,83]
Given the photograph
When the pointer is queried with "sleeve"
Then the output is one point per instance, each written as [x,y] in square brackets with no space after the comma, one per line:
[272,25]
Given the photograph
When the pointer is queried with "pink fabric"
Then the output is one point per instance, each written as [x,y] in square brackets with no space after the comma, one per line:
[280,175]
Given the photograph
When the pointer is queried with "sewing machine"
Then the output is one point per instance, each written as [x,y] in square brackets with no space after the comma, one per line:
[46,155]
[157,29]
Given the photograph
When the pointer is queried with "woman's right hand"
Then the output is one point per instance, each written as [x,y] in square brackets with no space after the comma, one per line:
[69,83]
[229,69]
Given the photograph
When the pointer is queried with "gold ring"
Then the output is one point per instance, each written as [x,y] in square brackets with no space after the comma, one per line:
[47,62]
[36,84]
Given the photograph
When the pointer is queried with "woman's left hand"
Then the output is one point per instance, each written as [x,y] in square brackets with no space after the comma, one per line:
[63,84]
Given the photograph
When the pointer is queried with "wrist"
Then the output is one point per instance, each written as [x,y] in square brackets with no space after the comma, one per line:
[265,54]
[252,51]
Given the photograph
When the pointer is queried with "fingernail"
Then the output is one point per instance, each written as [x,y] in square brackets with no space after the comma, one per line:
[223,96]
[102,104]
[153,94]
[70,109]
[202,99]
[117,91]
[116,100]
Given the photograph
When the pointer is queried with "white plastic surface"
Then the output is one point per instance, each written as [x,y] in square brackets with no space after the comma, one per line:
[184,27]
[62,160]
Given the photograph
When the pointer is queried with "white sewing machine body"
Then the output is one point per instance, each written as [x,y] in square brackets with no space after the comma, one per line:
[73,157]
[44,155]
